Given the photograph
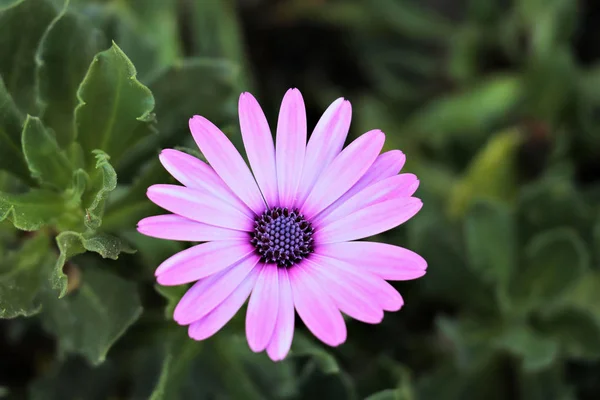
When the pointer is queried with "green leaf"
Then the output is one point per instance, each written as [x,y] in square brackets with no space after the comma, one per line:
[4,4]
[22,274]
[471,114]
[172,295]
[63,58]
[103,181]
[115,110]
[537,352]
[584,295]
[11,122]
[156,23]
[545,385]
[213,81]
[491,241]
[303,346]
[388,394]
[490,175]
[553,202]
[74,378]
[554,261]
[47,163]
[90,320]
[179,353]
[32,210]
[471,339]
[126,210]
[213,97]
[577,332]
[21,28]
[71,244]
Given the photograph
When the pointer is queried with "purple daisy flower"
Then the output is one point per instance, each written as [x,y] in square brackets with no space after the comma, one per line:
[284,234]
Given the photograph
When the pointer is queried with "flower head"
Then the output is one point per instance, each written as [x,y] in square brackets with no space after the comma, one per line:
[284,235]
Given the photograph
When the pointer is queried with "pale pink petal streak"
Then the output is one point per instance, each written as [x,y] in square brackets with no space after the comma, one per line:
[390,262]
[343,172]
[291,146]
[316,309]
[281,341]
[262,309]
[175,227]
[201,261]
[387,189]
[218,317]
[209,292]
[259,146]
[227,162]
[196,174]
[385,165]
[350,298]
[375,287]
[369,221]
[199,206]
[324,144]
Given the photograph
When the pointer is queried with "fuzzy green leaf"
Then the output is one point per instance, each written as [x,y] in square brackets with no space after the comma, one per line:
[32,210]
[213,97]
[11,122]
[115,110]
[71,244]
[555,260]
[537,352]
[388,394]
[180,351]
[90,320]
[172,295]
[470,114]
[577,332]
[63,58]
[490,175]
[4,4]
[47,163]
[491,243]
[22,274]
[21,29]
[103,181]
[133,205]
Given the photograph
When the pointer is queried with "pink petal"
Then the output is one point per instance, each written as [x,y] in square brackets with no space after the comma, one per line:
[378,289]
[175,227]
[324,144]
[389,262]
[291,146]
[208,293]
[201,261]
[259,146]
[350,298]
[217,318]
[280,343]
[343,172]
[196,174]
[387,189]
[316,308]
[199,206]
[262,309]
[369,221]
[227,162]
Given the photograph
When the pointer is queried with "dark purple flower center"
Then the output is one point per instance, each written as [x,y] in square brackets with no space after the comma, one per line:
[282,236]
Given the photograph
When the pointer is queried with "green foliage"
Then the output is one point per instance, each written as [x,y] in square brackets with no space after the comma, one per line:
[494,103]
[90,320]
[114,110]
[21,277]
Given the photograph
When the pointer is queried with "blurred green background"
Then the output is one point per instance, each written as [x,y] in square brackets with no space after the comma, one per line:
[496,104]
